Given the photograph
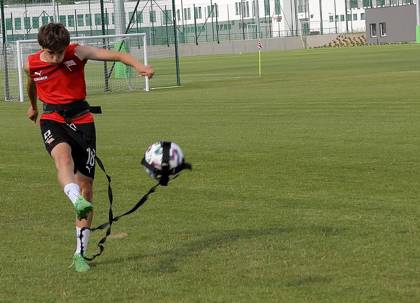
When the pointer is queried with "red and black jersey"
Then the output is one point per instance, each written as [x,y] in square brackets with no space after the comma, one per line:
[61,83]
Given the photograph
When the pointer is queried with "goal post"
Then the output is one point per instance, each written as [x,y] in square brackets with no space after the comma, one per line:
[100,76]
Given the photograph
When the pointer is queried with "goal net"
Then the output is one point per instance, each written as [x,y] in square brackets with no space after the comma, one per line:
[101,77]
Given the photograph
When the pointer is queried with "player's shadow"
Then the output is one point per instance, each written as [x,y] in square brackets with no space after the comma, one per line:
[167,260]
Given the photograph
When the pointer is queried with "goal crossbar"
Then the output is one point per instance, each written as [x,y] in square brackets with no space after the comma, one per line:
[20,56]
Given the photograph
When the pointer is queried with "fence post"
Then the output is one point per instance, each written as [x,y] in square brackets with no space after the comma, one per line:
[75,23]
[178,78]
[166,26]
[321,24]
[229,25]
[106,82]
[212,18]
[4,51]
[217,23]
[242,19]
[195,24]
[90,19]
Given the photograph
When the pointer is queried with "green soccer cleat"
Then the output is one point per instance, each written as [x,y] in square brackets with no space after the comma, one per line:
[80,264]
[83,207]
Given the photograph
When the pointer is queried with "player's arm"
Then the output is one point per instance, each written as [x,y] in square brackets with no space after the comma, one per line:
[32,112]
[87,52]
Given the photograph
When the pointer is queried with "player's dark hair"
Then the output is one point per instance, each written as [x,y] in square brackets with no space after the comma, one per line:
[54,36]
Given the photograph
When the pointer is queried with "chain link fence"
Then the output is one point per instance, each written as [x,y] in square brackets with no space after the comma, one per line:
[167,23]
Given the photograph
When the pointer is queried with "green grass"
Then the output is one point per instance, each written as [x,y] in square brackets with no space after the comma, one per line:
[305,187]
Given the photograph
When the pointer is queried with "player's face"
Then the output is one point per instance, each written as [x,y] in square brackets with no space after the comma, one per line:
[52,57]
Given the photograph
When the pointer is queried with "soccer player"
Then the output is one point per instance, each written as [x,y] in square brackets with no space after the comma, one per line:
[56,77]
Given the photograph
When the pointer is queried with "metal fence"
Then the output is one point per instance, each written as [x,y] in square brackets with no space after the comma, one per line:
[183,21]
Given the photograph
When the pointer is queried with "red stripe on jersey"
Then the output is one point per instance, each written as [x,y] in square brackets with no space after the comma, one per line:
[61,83]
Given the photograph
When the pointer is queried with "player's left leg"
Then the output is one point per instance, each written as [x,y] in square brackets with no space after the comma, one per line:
[82,237]
[84,163]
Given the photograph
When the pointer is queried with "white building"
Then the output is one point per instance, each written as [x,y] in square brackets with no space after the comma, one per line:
[228,19]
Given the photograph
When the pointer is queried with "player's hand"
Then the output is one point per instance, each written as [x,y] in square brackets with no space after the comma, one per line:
[147,71]
[32,113]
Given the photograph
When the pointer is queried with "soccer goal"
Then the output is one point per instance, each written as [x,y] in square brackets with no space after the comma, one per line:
[100,76]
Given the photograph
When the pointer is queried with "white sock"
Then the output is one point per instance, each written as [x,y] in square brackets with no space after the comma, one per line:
[72,190]
[84,242]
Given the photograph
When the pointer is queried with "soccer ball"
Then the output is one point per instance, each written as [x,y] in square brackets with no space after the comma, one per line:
[153,157]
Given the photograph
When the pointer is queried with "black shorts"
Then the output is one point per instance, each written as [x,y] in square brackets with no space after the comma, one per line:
[83,156]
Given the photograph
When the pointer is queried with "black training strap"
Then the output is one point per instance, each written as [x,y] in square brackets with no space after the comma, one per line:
[109,223]
[164,178]
[71,110]
[78,136]
[163,174]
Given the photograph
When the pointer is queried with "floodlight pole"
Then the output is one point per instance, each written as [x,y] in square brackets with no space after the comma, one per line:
[178,77]
[4,52]
[106,82]
[119,15]
[418,22]
[257,18]
[346,14]
[55,14]
[335,16]
[320,18]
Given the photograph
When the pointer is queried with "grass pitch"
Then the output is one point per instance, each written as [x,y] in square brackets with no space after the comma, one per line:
[305,187]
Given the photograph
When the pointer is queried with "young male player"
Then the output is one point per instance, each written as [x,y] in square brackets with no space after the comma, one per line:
[56,77]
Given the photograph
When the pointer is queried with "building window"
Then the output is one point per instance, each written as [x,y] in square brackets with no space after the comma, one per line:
[80,20]
[331,18]
[152,16]
[44,20]
[198,13]
[9,24]
[241,9]
[354,17]
[88,19]
[27,22]
[18,23]
[131,15]
[367,3]
[266,7]
[213,10]
[382,29]
[277,7]
[362,16]
[70,19]
[98,20]
[372,28]
[62,20]
[302,6]
[354,4]
[35,22]
[187,13]
[245,9]
[342,18]
[166,17]
[139,17]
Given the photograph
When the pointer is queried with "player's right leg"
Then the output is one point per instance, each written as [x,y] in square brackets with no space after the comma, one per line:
[58,144]
[61,153]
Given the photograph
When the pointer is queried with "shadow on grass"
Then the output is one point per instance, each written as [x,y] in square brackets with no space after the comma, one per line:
[166,261]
